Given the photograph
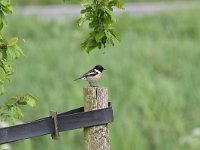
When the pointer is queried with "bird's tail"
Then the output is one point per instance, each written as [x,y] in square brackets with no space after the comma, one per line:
[77,79]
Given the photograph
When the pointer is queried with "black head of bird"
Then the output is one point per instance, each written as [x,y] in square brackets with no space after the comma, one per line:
[99,68]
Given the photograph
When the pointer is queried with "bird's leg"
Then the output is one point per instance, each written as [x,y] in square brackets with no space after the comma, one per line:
[91,85]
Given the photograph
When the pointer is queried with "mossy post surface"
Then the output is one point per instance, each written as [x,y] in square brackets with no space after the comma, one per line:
[97,137]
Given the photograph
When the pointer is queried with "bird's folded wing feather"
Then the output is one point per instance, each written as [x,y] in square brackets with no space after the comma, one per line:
[89,73]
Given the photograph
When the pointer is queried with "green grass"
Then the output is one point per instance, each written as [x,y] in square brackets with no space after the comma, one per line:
[153,79]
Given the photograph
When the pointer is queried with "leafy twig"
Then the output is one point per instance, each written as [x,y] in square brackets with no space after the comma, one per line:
[99,14]
[9,50]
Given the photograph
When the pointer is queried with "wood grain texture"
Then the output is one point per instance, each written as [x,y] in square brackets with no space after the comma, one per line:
[97,137]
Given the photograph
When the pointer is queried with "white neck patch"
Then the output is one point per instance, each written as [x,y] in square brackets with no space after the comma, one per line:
[97,71]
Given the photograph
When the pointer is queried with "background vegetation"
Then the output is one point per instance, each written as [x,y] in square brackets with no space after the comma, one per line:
[44,2]
[152,77]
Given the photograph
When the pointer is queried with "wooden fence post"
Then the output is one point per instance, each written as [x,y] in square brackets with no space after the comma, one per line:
[97,137]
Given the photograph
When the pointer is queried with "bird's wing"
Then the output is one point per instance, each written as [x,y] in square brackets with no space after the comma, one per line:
[89,73]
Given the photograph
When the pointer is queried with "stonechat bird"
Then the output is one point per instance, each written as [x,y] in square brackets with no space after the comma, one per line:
[92,75]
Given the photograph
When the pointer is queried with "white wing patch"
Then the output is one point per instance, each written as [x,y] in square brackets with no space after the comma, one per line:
[83,78]
[91,73]
[97,71]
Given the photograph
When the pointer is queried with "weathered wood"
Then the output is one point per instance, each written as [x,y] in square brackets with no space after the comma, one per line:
[97,137]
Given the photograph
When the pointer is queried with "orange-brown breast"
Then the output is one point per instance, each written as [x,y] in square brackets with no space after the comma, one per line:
[94,78]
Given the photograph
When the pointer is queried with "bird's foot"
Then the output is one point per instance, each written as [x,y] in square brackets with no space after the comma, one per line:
[91,85]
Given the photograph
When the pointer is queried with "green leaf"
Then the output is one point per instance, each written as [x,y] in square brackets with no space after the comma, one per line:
[83,45]
[111,14]
[7,67]
[6,7]
[2,75]
[89,44]
[16,112]
[81,20]
[120,4]
[90,48]
[10,120]
[12,41]
[99,36]
[2,90]
[5,2]
[31,100]
[13,98]
[2,20]
[115,34]
[15,51]
[86,3]
[4,54]
[22,102]
[87,9]
[93,24]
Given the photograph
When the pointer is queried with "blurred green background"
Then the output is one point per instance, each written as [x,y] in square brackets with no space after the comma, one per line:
[50,2]
[153,78]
